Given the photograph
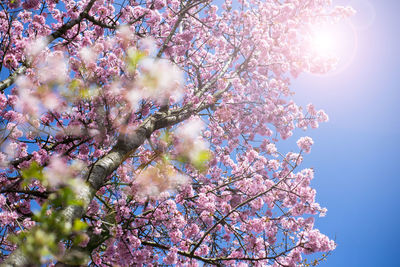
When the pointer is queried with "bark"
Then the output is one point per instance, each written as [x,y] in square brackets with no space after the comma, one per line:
[53,36]
[96,175]
[11,79]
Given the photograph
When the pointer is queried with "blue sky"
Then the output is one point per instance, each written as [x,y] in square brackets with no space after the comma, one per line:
[355,154]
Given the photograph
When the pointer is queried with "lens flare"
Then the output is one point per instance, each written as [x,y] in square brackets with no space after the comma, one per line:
[324,43]
[337,41]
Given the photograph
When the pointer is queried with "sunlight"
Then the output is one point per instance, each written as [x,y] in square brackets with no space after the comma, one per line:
[324,41]
[338,41]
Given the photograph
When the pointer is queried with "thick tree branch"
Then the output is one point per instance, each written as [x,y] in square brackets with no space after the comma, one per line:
[11,79]
[98,173]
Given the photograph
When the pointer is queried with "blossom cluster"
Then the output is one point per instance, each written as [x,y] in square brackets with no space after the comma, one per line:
[172,111]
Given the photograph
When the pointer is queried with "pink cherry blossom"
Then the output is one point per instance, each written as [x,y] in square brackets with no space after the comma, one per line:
[305,143]
[165,118]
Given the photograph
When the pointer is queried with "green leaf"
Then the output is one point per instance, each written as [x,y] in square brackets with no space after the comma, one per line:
[34,171]
[134,56]
[201,160]
[166,137]
[74,84]
[79,225]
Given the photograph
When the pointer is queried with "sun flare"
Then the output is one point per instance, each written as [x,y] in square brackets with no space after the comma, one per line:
[324,41]
[333,42]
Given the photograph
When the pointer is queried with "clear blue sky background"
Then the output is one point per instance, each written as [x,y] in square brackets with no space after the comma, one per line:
[356,154]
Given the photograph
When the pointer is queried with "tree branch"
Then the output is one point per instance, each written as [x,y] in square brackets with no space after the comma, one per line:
[97,174]
[183,253]
[11,79]
[50,38]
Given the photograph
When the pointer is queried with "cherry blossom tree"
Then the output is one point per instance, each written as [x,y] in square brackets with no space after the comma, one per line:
[144,132]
